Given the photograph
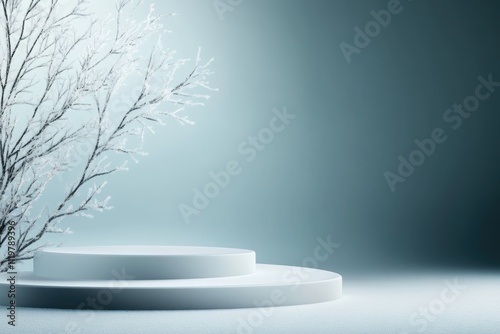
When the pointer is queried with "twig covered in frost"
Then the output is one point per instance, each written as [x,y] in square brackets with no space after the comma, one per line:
[61,72]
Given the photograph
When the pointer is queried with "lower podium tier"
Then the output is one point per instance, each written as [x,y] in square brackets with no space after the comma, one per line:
[269,285]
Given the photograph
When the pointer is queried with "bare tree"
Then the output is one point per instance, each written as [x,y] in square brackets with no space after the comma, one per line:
[63,76]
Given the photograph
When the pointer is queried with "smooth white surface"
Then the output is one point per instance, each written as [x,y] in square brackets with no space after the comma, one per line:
[287,285]
[373,304]
[142,262]
[125,250]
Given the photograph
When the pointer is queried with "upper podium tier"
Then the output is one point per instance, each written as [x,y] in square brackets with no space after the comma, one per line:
[142,262]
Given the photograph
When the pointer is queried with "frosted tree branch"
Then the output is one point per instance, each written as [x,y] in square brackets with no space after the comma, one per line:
[62,77]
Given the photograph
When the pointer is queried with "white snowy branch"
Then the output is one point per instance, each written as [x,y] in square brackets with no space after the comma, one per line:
[63,74]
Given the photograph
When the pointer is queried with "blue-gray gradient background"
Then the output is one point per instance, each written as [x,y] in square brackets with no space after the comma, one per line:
[324,174]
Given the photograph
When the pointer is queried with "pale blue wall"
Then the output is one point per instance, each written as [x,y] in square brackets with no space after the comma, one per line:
[323,174]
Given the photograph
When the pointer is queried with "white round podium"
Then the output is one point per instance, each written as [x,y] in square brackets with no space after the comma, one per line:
[164,278]
[143,262]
